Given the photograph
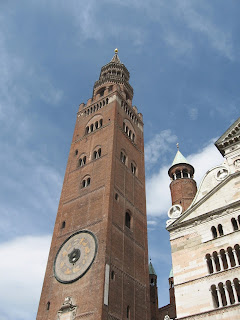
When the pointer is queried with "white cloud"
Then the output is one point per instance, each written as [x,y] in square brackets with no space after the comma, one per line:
[157,186]
[22,270]
[158,146]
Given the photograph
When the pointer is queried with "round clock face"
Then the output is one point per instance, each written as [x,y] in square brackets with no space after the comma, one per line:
[75,256]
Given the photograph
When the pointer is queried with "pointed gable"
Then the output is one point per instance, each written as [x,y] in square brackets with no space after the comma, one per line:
[229,139]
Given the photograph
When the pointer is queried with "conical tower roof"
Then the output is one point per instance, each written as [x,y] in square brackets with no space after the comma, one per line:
[179,158]
[151,269]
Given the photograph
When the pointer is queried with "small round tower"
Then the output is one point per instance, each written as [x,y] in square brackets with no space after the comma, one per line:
[183,187]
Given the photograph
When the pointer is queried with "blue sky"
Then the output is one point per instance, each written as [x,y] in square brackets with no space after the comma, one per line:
[183,59]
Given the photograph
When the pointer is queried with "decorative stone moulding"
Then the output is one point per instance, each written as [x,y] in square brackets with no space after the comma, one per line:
[174,212]
[222,174]
[237,163]
[67,310]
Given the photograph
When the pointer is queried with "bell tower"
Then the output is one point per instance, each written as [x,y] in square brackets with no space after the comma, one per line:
[98,261]
[183,187]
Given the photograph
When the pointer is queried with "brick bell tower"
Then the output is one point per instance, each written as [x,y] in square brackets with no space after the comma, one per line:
[98,261]
[183,187]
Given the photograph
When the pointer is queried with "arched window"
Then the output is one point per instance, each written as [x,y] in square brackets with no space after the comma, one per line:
[230,291]
[128,312]
[123,157]
[214,296]
[48,305]
[231,257]
[128,220]
[86,182]
[214,232]
[222,293]
[185,173]
[237,250]
[97,153]
[209,263]
[129,130]
[234,224]
[216,261]
[220,230]
[237,288]
[133,169]
[178,174]
[63,224]
[224,259]
[113,275]
[95,123]
[76,152]
[82,161]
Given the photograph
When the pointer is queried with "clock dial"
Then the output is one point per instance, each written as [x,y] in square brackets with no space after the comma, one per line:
[75,256]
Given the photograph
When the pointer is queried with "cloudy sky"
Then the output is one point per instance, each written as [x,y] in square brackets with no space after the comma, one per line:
[183,58]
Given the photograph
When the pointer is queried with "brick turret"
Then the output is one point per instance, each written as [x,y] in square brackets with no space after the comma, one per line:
[183,187]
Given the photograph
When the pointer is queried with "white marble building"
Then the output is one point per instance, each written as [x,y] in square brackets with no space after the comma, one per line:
[205,241]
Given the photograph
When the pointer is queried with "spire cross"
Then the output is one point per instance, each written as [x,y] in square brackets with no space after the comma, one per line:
[177,145]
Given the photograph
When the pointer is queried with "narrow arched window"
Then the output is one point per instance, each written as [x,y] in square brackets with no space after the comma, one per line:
[209,263]
[96,124]
[224,259]
[63,224]
[237,288]
[178,174]
[234,224]
[48,305]
[214,232]
[91,127]
[220,230]
[133,169]
[86,182]
[214,296]
[237,250]
[222,293]
[123,157]
[100,123]
[128,312]
[128,220]
[231,257]
[230,291]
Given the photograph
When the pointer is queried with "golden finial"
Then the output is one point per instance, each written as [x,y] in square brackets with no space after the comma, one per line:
[116,50]
[177,145]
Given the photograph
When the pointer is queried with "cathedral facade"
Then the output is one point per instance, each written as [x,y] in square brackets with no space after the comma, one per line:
[98,261]
[204,229]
